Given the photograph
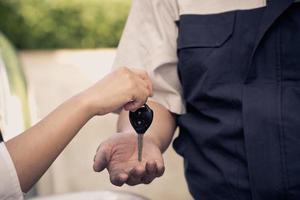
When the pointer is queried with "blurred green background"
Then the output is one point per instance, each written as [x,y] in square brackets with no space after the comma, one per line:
[51,24]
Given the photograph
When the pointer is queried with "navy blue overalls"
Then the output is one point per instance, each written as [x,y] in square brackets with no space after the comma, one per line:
[240,73]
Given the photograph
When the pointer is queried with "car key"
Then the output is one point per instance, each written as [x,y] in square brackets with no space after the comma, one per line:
[141,120]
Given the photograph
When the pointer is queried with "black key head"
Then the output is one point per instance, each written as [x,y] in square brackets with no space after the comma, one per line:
[141,119]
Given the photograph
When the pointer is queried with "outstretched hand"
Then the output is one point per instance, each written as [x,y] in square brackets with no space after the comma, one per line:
[119,155]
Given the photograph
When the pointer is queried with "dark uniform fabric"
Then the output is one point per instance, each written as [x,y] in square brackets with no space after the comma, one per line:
[240,73]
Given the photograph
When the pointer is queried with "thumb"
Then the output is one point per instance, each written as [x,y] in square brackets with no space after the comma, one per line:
[101,159]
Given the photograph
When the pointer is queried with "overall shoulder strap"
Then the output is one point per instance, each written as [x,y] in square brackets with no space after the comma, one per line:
[274,9]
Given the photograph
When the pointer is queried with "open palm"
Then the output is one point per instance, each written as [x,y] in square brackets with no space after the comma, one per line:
[119,154]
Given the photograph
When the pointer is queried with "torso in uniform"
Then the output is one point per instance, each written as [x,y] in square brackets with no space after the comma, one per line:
[240,73]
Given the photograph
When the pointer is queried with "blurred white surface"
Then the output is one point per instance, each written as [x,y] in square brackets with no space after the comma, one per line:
[55,76]
[100,195]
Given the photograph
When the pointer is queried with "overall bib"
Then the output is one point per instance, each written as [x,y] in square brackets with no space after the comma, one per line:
[240,74]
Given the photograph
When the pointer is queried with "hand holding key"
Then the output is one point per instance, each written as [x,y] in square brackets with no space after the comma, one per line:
[119,155]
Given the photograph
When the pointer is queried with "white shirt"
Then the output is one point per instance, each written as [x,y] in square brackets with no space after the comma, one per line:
[149,41]
[9,183]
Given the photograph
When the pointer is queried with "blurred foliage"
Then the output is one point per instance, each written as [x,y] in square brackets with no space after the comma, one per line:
[16,77]
[46,24]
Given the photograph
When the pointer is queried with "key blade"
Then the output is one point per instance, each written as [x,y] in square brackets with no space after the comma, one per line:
[140,146]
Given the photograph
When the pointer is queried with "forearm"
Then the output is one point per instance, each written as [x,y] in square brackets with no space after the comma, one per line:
[35,150]
[161,130]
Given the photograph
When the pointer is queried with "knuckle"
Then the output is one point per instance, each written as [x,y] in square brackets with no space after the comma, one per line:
[124,69]
[144,74]
[125,72]
[148,93]
[115,182]
[95,168]
[129,92]
[148,181]
[132,183]
[112,180]
[160,171]
[134,82]
[129,78]
[133,87]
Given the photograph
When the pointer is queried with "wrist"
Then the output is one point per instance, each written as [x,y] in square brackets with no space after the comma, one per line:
[82,102]
[155,141]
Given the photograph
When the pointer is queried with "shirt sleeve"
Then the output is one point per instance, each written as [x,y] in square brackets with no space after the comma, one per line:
[9,184]
[149,42]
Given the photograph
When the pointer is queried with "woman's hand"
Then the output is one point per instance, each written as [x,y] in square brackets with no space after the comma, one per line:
[127,88]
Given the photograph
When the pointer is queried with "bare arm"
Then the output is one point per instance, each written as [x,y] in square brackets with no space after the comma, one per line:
[34,150]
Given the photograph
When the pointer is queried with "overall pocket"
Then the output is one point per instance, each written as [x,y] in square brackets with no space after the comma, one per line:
[205,30]
[202,44]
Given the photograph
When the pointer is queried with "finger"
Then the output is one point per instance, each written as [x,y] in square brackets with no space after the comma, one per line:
[118,178]
[96,152]
[134,105]
[136,175]
[101,158]
[139,99]
[140,72]
[151,171]
[98,148]
[148,84]
[160,168]
[143,86]
[144,75]
[130,106]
